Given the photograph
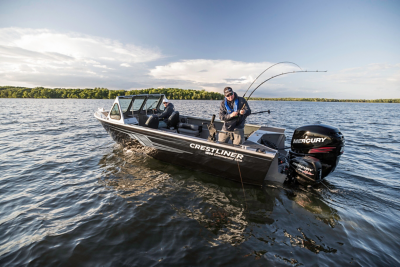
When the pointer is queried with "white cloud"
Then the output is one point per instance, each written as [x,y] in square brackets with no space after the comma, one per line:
[377,80]
[40,57]
[371,81]
[375,73]
[74,45]
[214,74]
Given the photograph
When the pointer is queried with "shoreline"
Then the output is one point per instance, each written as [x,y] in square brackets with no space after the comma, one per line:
[170,93]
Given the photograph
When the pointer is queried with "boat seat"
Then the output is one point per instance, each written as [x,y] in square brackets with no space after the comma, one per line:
[173,120]
[189,129]
[152,122]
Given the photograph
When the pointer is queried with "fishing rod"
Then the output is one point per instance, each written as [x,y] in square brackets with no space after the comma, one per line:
[261,112]
[284,73]
[268,69]
[289,72]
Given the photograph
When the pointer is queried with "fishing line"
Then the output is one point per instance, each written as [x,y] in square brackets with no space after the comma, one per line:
[245,201]
[241,180]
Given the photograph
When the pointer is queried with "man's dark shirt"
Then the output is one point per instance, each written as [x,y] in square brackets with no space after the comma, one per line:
[167,112]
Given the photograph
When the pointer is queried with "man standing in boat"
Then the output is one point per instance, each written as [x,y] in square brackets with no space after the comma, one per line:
[163,117]
[233,111]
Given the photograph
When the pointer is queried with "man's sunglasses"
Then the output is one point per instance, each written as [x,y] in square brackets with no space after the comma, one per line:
[228,95]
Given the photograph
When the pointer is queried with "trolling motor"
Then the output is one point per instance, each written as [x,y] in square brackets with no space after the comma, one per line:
[315,153]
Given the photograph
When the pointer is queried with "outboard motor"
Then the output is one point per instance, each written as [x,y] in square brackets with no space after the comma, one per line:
[315,152]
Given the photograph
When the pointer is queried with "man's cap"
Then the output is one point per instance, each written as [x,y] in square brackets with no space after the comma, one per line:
[228,90]
[165,100]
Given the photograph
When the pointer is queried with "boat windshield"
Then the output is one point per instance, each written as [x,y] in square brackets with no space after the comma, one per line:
[140,103]
[152,102]
[137,103]
[124,103]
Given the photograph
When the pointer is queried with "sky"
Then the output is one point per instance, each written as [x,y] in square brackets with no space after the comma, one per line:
[204,45]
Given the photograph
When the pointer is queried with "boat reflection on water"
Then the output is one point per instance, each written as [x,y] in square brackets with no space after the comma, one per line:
[228,212]
[313,201]
[125,171]
[225,211]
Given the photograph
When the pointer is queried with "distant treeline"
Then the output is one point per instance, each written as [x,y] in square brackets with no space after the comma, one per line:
[103,93]
[170,93]
[329,100]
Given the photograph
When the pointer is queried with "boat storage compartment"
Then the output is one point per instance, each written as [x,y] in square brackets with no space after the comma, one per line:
[274,139]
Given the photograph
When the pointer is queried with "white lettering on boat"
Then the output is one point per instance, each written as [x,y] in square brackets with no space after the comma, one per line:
[307,140]
[216,152]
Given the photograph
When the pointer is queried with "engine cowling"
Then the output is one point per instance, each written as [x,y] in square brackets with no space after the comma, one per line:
[313,146]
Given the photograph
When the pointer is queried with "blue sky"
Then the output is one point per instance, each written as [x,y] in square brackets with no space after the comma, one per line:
[204,45]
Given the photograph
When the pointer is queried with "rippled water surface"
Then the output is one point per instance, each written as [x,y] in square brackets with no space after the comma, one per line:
[70,195]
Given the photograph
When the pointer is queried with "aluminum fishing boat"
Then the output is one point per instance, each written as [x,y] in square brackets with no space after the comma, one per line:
[192,142]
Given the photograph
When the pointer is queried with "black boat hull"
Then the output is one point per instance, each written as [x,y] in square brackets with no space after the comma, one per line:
[222,160]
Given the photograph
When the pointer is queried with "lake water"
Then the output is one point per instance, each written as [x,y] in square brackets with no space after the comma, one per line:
[71,196]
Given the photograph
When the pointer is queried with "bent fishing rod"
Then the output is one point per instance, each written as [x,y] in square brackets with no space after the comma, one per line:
[268,69]
[289,72]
